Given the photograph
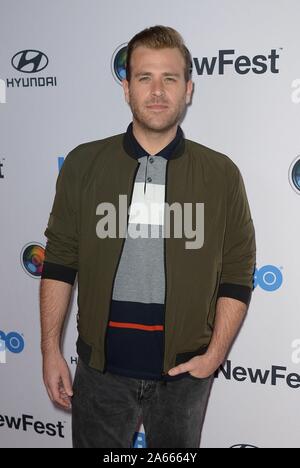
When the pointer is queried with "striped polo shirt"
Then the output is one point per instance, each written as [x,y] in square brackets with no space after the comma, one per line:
[135,333]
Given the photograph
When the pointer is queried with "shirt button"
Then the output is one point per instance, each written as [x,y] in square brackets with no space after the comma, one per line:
[149,179]
[151,160]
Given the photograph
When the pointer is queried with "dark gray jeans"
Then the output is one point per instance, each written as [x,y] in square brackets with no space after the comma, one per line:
[107,410]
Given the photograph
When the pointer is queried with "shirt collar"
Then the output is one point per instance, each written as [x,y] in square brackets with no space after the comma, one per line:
[173,150]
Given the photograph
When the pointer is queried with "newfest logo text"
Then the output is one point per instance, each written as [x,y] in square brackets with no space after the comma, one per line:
[242,64]
[147,217]
[272,376]
[27,422]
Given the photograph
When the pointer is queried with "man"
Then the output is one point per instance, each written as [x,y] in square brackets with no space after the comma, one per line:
[157,313]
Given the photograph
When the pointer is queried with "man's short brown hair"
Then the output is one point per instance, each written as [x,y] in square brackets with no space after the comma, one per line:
[159,37]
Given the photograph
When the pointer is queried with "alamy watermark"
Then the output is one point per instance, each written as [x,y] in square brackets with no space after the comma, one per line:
[296,353]
[295,96]
[146,218]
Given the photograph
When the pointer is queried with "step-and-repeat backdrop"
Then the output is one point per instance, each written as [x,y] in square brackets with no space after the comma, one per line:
[61,63]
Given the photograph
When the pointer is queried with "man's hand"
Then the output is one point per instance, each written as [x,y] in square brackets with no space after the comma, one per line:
[199,366]
[230,314]
[54,299]
[57,379]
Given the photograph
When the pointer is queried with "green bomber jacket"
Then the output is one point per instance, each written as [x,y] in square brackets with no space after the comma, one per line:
[100,171]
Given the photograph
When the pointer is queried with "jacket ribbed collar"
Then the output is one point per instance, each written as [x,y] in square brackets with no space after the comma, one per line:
[173,150]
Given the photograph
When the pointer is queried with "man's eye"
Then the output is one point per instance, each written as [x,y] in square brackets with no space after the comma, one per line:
[144,78]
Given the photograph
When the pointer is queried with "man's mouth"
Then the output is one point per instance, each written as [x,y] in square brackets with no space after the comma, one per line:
[157,107]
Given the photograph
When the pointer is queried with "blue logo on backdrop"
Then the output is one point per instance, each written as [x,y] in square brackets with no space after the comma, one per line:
[139,440]
[118,63]
[2,344]
[60,161]
[294,175]
[268,278]
[13,342]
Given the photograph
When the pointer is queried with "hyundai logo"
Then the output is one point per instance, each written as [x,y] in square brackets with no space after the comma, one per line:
[29,61]
[243,446]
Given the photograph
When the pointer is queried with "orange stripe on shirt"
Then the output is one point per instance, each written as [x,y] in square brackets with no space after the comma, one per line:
[136,325]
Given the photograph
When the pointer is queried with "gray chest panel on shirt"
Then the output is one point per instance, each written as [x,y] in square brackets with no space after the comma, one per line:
[140,276]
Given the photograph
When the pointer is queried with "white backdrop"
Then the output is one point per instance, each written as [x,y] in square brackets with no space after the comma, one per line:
[252,117]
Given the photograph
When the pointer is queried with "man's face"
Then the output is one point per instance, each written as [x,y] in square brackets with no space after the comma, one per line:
[157,92]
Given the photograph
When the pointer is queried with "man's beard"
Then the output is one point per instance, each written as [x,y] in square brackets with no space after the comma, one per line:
[157,123]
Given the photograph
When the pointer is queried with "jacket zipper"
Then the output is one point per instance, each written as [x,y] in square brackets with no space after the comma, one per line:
[115,273]
[165,271]
[145,180]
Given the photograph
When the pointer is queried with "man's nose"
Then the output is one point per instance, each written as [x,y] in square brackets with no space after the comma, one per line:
[158,88]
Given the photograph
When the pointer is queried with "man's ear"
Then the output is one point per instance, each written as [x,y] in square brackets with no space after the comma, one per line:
[189,91]
[125,86]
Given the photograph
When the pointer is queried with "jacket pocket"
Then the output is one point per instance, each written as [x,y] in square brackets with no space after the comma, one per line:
[184,357]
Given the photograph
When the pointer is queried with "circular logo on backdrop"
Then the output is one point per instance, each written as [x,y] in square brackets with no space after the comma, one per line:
[268,277]
[32,259]
[294,175]
[118,63]
[14,342]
